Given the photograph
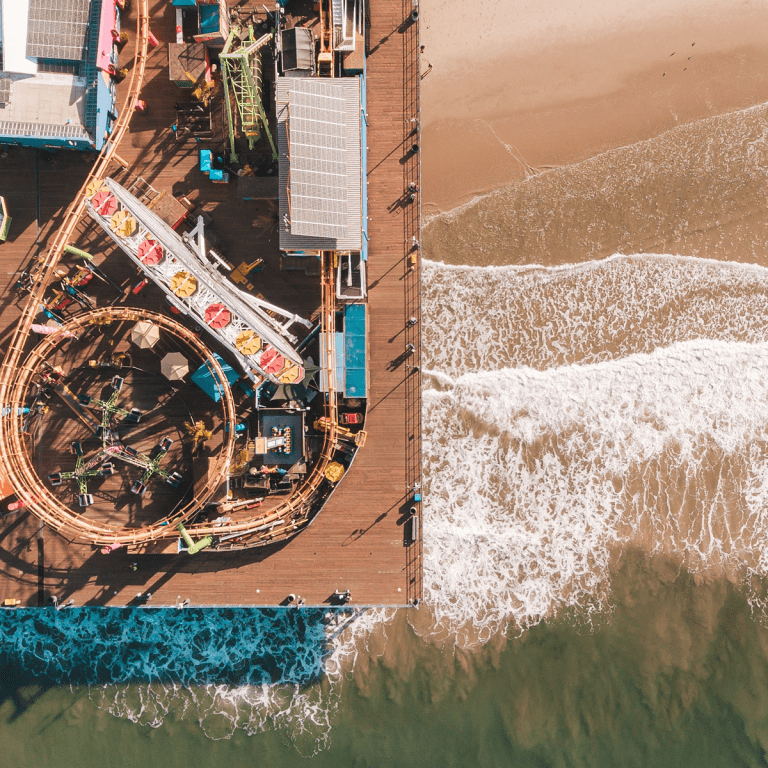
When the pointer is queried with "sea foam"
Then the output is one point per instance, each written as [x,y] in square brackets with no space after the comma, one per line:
[536,478]
[572,412]
[479,318]
[238,669]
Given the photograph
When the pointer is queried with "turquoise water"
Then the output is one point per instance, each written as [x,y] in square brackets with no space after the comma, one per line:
[99,646]
[674,675]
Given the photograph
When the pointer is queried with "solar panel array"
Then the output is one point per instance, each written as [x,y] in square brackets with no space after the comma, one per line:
[5,88]
[57,29]
[317,136]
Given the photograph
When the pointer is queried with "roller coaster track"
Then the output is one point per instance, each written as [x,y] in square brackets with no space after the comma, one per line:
[13,455]
[18,370]
[278,523]
[59,516]
[287,519]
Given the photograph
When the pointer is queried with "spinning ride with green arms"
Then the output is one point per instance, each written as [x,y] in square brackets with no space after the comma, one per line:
[101,464]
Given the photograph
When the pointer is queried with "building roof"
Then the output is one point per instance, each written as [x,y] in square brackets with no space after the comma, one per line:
[45,101]
[5,87]
[317,145]
[57,29]
[204,378]
[14,18]
[59,106]
[298,49]
[320,163]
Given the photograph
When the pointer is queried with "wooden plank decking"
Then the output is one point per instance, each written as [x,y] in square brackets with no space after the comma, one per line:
[357,542]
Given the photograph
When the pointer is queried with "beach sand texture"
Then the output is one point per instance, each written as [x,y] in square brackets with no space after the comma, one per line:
[512,88]
[564,135]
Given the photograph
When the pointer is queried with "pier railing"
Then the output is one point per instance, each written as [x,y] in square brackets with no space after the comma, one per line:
[412,282]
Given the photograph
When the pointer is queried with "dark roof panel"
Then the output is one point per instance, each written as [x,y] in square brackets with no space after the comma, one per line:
[5,88]
[57,29]
[298,50]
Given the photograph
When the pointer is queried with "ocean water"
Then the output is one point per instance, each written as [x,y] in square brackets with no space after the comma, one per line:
[596,539]
[696,190]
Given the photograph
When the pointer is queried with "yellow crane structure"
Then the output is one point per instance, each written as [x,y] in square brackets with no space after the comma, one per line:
[198,433]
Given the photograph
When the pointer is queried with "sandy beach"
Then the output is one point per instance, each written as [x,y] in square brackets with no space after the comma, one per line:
[513,88]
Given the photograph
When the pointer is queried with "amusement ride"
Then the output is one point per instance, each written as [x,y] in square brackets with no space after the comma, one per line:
[255,333]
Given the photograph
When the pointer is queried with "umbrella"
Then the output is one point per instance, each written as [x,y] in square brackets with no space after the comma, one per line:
[299,390]
[289,392]
[145,334]
[183,284]
[217,316]
[271,361]
[102,276]
[309,372]
[174,366]
[150,252]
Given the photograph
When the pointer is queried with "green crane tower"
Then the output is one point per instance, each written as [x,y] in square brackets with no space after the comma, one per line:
[241,75]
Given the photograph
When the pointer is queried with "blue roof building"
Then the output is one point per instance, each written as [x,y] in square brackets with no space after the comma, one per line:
[55,87]
[204,379]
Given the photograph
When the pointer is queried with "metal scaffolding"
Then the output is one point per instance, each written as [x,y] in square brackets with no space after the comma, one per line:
[241,75]
[246,312]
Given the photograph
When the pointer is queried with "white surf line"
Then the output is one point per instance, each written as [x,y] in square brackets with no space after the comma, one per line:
[535,478]
[584,266]
[452,213]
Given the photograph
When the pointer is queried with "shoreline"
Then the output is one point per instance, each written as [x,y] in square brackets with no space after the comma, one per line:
[698,189]
[564,97]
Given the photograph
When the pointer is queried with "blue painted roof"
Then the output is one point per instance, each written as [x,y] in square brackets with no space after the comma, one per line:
[209,19]
[105,103]
[355,363]
[91,75]
[204,379]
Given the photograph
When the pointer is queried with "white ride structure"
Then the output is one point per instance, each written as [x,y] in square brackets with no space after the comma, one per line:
[246,325]
[348,21]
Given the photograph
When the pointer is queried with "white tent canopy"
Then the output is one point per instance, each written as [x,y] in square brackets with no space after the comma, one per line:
[174,366]
[145,334]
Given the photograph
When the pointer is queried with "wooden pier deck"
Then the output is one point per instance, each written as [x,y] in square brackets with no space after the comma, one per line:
[357,542]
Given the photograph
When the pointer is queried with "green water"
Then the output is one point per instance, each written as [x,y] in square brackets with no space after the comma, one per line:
[674,674]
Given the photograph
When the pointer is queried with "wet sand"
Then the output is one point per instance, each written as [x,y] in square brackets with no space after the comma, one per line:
[698,189]
[540,87]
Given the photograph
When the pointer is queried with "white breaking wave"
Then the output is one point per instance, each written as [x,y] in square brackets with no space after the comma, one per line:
[480,318]
[302,711]
[534,479]
[569,413]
